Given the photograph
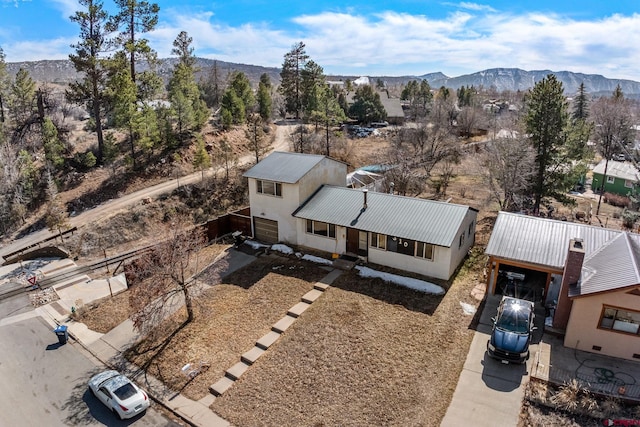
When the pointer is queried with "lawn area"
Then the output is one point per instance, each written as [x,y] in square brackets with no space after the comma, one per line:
[365,353]
[231,317]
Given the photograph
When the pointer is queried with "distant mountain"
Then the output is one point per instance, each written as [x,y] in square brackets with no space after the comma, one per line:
[514,79]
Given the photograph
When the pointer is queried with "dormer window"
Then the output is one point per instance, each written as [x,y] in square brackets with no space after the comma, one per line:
[269,187]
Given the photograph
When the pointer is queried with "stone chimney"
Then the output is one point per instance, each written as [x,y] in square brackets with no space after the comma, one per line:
[570,277]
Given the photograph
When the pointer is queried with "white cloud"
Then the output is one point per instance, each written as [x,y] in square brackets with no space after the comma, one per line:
[66,7]
[472,38]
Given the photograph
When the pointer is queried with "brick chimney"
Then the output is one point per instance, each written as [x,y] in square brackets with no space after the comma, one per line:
[570,277]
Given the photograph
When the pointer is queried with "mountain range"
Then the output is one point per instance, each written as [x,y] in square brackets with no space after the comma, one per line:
[511,79]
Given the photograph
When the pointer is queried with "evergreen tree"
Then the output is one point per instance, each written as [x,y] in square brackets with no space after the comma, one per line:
[53,148]
[22,98]
[210,87]
[5,83]
[367,106]
[135,17]
[237,101]
[312,84]
[201,158]
[264,97]
[122,95]
[86,60]
[547,124]
[581,104]
[291,78]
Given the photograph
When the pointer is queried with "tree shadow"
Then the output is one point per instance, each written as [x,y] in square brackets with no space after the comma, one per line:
[390,293]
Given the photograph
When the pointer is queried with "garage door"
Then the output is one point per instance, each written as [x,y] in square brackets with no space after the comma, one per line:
[266,230]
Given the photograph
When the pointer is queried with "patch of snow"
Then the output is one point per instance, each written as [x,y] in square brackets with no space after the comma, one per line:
[317,259]
[282,248]
[468,309]
[408,282]
[255,245]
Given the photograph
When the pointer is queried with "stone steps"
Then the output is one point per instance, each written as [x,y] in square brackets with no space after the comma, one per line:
[251,356]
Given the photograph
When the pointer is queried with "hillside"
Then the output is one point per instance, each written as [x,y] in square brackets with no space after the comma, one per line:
[513,79]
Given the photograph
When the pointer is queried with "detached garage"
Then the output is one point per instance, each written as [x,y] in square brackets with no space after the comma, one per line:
[527,254]
[266,230]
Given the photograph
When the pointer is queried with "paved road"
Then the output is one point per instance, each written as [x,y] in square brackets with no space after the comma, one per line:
[45,384]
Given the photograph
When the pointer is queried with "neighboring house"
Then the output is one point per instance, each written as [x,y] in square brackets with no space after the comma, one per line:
[423,236]
[589,276]
[621,177]
[279,184]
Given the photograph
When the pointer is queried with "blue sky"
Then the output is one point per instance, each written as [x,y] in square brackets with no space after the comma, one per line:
[403,37]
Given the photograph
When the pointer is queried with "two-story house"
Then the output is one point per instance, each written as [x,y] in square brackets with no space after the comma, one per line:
[309,206]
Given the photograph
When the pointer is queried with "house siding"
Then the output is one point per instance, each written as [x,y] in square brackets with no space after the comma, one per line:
[616,187]
[583,332]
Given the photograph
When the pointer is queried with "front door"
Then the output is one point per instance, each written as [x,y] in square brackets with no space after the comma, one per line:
[352,240]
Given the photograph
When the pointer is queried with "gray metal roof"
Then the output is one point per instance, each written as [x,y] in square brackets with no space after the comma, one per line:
[616,265]
[284,167]
[623,170]
[542,241]
[406,217]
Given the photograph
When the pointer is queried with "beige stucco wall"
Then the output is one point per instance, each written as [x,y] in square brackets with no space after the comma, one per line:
[457,254]
[437,268]
[321,243]
[327,171]
[583,332]
[276,208]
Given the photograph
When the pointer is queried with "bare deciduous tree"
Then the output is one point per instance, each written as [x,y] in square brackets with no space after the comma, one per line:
[509,166]
[167,271]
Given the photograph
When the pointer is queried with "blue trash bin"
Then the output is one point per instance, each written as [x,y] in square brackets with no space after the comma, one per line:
[62,333]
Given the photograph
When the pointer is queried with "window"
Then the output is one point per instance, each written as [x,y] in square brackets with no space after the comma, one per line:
[400,245]
[620,320]
[471,228]
[628,184]
[461,242]
[269,187]
[321,228]
[424,250]
[611,179]
[378,241]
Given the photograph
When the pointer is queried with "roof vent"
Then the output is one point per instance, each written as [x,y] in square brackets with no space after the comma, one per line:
[364,192]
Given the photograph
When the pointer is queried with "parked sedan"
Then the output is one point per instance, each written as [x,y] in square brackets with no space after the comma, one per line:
[511,333]
[119,394]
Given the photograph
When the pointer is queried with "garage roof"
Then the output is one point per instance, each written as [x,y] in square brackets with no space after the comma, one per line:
[542,241]
[284,167]
[405,217]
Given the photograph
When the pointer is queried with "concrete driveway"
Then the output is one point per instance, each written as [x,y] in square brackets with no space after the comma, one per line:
[490,393]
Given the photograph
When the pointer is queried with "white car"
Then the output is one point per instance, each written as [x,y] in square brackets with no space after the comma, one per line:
[120,395]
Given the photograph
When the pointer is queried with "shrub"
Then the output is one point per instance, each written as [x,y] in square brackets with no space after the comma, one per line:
[616,200]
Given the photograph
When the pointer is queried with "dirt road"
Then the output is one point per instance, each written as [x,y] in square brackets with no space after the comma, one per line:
[111,207]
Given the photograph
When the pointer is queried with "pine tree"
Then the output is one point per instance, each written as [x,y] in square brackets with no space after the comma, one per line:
[547,124]
[53,148]
[86,60]
[581,104]
[135,17]
[291,79]
[264,97]
[201,158]
[367,106]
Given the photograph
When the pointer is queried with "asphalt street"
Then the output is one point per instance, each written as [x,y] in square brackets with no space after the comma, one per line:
[45,383]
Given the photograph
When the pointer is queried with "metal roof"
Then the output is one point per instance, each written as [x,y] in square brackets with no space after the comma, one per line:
[623,170]
[405,217]
[616,265]
[284,167]
[542,241]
